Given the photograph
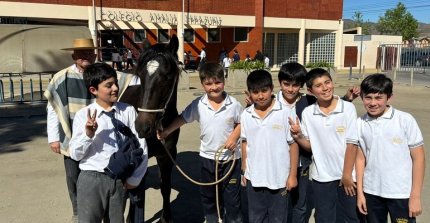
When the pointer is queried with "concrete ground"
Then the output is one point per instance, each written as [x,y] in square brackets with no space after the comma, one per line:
[32,178]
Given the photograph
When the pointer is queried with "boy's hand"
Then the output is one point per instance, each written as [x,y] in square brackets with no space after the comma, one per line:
[361,203]
[91,125]
[242,180]
[161,134]
[291,182]
[349,185]
[248,99]
[415,207]
[295,129]
[352,93]
[230,144]
[55,147]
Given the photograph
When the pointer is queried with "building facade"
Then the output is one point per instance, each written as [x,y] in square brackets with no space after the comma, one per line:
[285,30]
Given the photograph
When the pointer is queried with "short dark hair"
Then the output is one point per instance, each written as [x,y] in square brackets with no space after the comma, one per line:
[314,74]
[96,73]
[211,70]
[376,83]
[293,72]
[259,79]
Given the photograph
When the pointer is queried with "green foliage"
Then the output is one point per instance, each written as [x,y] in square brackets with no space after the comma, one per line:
[247,66]
[321,64]
[359,22]
[398,21]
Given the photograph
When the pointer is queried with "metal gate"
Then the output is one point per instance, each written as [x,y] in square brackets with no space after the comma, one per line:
[407,64]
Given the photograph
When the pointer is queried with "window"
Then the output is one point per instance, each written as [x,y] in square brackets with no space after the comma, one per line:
[163,36]
[322,47]
[214,35]
[189,35]
[241,34]
[139,35]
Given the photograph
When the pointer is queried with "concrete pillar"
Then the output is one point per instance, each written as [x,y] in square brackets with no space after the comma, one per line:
[339,52]
[180,31]
[301,48]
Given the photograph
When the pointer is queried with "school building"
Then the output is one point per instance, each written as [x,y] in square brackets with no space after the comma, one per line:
[284,30]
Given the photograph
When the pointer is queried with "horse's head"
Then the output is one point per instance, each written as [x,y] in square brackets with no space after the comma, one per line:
[159,73]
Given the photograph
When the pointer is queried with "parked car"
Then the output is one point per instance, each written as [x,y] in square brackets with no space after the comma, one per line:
[415,58]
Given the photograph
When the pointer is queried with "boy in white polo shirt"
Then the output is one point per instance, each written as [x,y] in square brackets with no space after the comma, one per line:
[390,162]
[269,153]
[329,125]
[219,116]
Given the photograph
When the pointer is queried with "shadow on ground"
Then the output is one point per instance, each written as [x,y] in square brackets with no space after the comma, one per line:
[14,131]
[187,205]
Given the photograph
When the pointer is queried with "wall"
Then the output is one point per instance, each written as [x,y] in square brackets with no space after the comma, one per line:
[307,9]
[369,48]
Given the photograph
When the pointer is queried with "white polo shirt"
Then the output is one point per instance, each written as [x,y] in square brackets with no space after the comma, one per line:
[386,142]
[328,135]
[215,126]
[268,151]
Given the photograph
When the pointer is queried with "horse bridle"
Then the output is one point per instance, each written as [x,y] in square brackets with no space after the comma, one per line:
[161,110]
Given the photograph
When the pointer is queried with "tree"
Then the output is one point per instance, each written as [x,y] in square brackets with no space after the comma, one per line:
[358,22]
[398,21]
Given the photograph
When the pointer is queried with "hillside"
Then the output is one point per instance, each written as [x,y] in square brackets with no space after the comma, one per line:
[423,28]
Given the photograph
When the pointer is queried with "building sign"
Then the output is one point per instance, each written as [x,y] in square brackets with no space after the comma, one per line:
[121,16]
[204,20]
[161,18]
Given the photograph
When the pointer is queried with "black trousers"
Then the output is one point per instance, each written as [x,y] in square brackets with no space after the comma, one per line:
[301,198]
[378,208]
[229,192]
[266,205]
[332,204]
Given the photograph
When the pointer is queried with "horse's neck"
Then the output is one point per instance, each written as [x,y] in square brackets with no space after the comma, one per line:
[171,109]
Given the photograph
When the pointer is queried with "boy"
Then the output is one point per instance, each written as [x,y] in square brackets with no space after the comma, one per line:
[390,161]
[269,153]
[219,116]
[95,138]
[330,127]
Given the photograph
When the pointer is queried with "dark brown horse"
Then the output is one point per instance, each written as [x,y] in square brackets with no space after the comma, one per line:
[155,100]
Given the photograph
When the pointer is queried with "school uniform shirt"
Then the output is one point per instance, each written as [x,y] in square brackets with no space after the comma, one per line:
[328,135]
[387,142]
[94,153]
[296,109]
[268,151]
[215,126]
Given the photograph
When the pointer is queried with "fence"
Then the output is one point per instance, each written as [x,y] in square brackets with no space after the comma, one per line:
[18,87]
[408,64]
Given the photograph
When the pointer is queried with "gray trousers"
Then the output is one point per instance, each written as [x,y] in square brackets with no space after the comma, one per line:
[100,198]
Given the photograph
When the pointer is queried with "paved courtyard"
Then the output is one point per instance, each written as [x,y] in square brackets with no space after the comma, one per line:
[32,177]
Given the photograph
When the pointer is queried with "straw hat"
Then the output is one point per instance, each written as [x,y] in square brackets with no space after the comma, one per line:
[83,44]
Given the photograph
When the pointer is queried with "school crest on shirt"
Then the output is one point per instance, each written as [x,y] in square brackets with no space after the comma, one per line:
[277,127]
[229,121]
[397,140]
[340,129]
[401,220]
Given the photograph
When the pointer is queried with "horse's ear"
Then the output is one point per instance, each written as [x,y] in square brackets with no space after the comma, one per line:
[146,45]
[173,44]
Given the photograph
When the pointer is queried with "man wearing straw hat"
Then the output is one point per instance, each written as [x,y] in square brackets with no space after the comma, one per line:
[67,94]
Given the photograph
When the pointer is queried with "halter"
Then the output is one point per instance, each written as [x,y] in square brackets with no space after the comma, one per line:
[160,110]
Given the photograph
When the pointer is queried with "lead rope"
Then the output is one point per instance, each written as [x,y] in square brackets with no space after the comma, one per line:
[232,158]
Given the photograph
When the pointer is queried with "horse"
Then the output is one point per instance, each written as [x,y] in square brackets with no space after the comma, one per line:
[155,100]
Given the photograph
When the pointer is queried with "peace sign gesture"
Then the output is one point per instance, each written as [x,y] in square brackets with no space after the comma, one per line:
[295,129]
[91,125]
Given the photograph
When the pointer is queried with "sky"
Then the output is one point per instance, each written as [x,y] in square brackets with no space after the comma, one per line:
[372,9]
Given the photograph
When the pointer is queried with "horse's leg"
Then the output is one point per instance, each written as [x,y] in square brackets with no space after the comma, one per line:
[166,165]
